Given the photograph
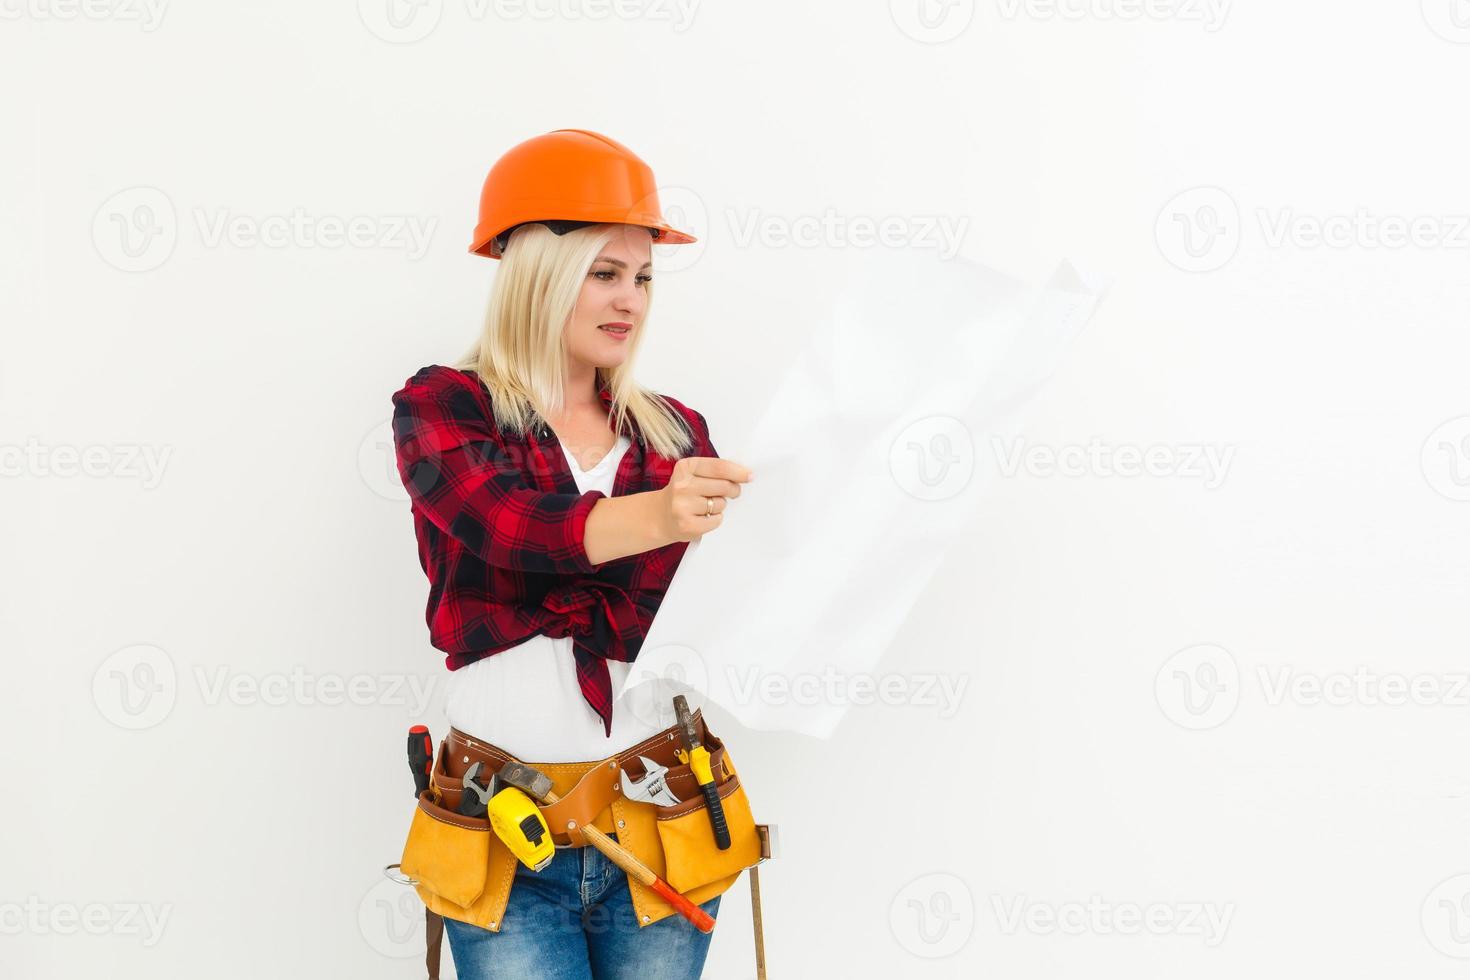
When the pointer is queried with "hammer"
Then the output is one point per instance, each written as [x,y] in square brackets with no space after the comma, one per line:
[537,785]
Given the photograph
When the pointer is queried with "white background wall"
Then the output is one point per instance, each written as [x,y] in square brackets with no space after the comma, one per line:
[195,780]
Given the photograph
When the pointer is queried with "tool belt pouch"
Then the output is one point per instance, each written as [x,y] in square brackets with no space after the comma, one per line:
[447,852]
[686,835]
[460,869]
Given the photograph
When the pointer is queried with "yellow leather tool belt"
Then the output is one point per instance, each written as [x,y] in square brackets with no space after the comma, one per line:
[463,871]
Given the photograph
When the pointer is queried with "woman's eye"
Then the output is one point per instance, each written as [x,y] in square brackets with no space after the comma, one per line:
[610,275]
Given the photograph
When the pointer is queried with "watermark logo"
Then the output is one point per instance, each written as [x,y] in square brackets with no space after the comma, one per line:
[390,918]
[400,21]
[684,209]
[659,674]
[1207,921]
[933,916]
[933,458]
[407,21]
[147,14]
[1210,14]
[932,21]
[300,687]
[830,686]
[124,461]
[1199,229]
[940,233]
[677,13]
[140,920]
[1445,917]
[1445,459]
[1207,463]
[407,233]
[1362,229]
[1362,687]
[1450,19]
[1198,687]
[135,230]
[377,463]
[136,687]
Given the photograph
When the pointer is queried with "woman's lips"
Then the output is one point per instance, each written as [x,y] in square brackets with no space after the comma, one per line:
[620,331]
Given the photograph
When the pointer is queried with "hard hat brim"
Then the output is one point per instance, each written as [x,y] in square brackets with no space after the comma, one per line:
[486,241]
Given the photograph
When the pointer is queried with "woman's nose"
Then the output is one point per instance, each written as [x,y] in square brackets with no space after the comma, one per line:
[630,300]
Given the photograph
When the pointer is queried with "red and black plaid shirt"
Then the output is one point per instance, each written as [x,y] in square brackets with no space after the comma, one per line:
[499,522]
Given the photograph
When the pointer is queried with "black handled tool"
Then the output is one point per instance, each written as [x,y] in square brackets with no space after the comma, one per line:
[696,756]
[420,757]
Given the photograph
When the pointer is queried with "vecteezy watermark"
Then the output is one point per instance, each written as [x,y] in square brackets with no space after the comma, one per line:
[661,672]
[1445,459]
[378,465]
[1200,230]
[137,230]
[1362,687]
[1204,462]
[678,14]
[147,14]
[407,233]
[1198,687]
[303,688]
[683,208]
[933,916]
[1450,19]
[390,918]
[137,687]
[1362,229]
[407,21]
[1210,14]
[942,692]
[400,21]
[1445,916]
[658,675]
[831,229]
[1201,686]
[129,919]
[933,458]
[122,461]
[932,21]
[1207,921]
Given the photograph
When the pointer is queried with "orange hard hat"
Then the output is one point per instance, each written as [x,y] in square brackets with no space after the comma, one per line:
[568,178]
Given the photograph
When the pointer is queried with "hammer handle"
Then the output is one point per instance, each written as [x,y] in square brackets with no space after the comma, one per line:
[624,858]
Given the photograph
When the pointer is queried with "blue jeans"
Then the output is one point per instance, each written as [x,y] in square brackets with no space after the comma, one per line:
[574,921]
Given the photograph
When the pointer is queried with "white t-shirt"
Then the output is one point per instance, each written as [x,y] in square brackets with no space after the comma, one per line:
[526,699]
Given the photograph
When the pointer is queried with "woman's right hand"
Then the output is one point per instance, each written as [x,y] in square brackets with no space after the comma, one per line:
[699,486]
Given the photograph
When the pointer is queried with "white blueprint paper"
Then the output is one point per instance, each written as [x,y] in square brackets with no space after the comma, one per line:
[868,460]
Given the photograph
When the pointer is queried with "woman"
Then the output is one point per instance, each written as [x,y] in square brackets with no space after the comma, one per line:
[553,499]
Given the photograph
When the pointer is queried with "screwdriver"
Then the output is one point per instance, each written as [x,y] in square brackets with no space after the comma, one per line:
[420,757]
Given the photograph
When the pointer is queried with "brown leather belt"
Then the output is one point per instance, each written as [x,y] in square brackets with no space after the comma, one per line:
[586,788]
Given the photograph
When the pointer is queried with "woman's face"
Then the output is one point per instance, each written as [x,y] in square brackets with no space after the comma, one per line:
[613,300]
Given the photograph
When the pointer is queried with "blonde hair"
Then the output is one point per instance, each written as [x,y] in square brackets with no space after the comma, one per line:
[519,354]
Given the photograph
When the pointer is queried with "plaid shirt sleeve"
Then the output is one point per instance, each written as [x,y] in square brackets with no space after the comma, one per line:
[708,448]
[460,476]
